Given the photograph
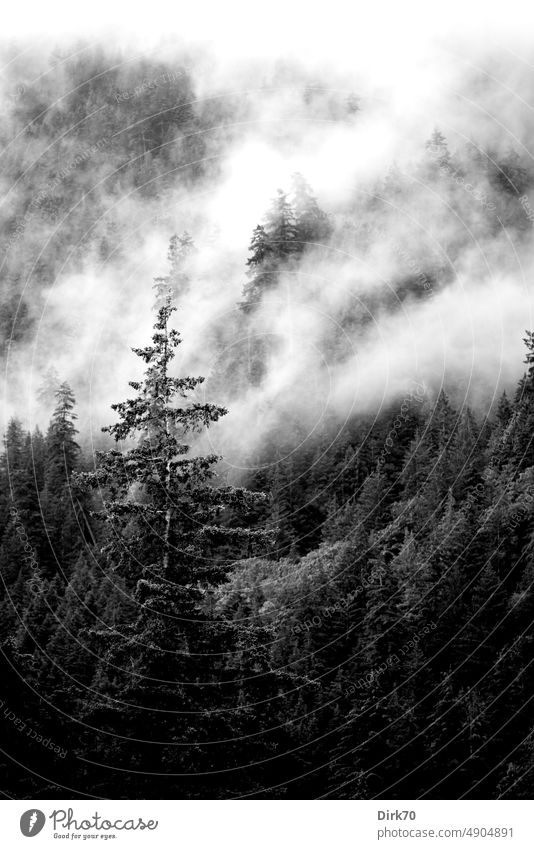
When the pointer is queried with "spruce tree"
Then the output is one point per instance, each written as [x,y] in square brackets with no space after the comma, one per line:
[172,535]
[438,149]
[311,223]
[60,510]
[21,540]
[281,226]
[176,283]
[519,450]
[271,248]
[261,266]
[62,448]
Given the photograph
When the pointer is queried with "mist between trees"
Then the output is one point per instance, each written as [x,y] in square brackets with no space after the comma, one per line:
[146,85]
[230,591]
[414,267]
[529,212]
[437,148]
[374,532]
[6,105]
[47,190]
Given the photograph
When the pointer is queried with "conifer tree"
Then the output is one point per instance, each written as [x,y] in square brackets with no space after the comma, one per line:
[62,449]
[438,149]
[520,442]
[271,248]
[19,550]
[260,268]
[59,509]
[281,226]
[171,536]
[311,223]
[176,283]
[504,410]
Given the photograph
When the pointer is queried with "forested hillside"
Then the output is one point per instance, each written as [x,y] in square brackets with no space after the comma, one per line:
[336,604]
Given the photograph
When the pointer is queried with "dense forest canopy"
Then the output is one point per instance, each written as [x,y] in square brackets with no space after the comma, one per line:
[295,559]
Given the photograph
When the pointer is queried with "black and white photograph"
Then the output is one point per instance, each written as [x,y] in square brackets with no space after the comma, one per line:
[267,459]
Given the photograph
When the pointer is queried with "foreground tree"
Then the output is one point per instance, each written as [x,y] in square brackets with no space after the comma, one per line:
[173,534]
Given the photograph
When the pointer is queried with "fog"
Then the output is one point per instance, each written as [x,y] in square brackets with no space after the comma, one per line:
[461,326]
